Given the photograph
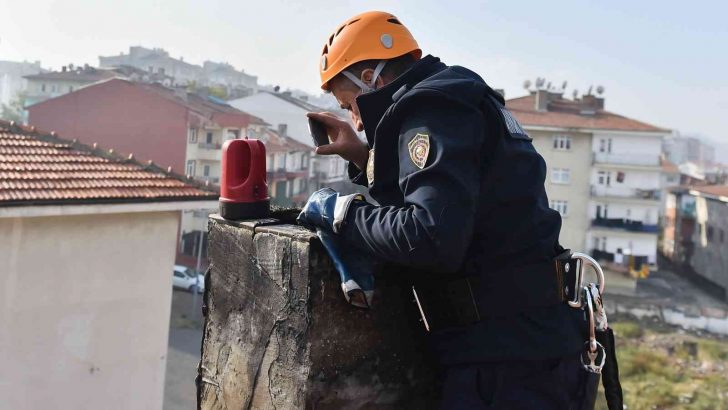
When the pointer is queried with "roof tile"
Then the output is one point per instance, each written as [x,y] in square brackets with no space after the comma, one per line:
[39,168]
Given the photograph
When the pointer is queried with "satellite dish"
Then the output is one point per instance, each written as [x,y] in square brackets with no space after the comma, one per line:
[563,86]
[575,93]
[600,89]
[527,84]
[548,86]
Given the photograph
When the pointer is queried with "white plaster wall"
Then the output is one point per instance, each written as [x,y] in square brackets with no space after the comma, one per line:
[578,161]
[84,310]
[274,111]
[636,148]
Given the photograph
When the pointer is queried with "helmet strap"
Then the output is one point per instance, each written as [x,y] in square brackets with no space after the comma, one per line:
[365,88]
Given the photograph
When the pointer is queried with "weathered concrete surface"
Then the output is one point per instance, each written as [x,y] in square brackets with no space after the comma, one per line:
[279,334]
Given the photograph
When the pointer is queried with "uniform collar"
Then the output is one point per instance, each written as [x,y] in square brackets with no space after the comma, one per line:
[373,105]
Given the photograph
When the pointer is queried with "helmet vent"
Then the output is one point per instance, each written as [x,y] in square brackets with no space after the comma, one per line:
[394,21]
[339,30]
[352,22]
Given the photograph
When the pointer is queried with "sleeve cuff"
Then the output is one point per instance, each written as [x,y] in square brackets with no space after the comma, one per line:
[341,208]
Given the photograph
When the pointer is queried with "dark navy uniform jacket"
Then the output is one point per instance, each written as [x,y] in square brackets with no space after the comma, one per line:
[475,205]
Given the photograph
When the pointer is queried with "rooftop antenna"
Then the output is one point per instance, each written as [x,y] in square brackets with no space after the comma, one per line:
[527,84]
[548,86]
[575,93]
[563,86]
[600,89]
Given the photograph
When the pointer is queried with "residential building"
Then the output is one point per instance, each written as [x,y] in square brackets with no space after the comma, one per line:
[288,171]
[43,86]
[12,81]
[288,114]
[87,243]
[603,172]
[170,127]
[696,234]
[680,150]
[157,60]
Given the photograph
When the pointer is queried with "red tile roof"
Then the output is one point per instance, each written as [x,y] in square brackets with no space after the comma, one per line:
[37,168]
[564,113]
[668,166]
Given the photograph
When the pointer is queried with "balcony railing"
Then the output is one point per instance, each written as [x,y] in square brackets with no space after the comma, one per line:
[625,192]
[205,145]
[625,159]
[626,224]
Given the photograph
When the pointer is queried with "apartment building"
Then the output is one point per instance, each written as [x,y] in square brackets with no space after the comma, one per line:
[157,60]
[288,169]
[696,234]
[288,114]
[150,122]
[604,173]
[12,78]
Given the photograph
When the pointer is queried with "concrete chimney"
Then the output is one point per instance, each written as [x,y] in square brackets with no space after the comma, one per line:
[541,100]
[593,102]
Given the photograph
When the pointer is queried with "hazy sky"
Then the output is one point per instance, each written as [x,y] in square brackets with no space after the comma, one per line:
[663,62]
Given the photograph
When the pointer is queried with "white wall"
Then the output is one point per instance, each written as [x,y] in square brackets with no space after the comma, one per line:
[274,111]
[628,148]
[84,310]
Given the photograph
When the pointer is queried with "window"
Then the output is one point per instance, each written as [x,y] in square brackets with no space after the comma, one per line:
[191,167]
[206,170]
[560,175]
[70,88]
[605,145]
[192,135]
[208,138]
[620,177]
[710,233]
[561,206]
[603,178]
[43,87]
[562,142]
[54,88]
[722,235]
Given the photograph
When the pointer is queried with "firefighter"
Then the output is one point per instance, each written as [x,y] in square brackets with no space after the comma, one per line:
[462,204]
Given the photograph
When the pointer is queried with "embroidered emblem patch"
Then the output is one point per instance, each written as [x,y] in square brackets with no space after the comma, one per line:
[370,167]
[419,149]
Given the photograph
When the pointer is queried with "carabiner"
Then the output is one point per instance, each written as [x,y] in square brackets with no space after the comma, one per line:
[583,261]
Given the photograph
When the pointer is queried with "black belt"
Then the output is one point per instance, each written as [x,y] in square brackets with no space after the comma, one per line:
[501,293]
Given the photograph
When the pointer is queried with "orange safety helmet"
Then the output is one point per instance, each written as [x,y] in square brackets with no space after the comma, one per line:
[374,35]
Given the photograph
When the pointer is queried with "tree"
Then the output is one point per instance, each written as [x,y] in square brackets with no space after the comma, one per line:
[15,111]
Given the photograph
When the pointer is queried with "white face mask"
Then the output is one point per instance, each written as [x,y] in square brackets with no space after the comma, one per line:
[366,88]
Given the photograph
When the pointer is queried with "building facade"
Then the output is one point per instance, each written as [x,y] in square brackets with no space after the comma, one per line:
[603,173]
[696,234]
[87,243]
[287,114]
[12,79]
[157,60]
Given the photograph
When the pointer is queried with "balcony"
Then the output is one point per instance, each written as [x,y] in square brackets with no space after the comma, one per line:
[626,159]
[625,192]
[625,224]
[212,145]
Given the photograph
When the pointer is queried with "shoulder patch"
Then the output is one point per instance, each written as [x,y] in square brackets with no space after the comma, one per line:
[512,124]
[419,149]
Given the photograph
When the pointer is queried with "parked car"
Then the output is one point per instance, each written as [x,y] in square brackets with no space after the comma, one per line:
[185,278]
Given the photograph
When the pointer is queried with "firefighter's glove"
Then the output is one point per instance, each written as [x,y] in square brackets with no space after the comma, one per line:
[326,210]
